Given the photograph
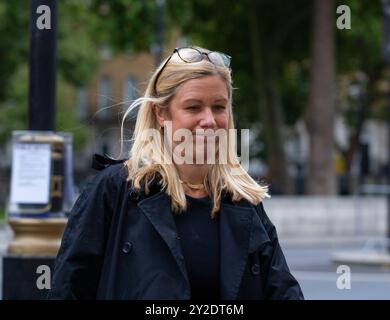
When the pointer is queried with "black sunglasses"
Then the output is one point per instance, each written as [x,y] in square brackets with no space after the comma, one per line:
[191,55]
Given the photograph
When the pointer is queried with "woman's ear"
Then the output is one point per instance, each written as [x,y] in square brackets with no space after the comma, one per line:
[160,114]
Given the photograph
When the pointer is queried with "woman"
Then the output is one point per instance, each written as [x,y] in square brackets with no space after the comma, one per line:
[167,223]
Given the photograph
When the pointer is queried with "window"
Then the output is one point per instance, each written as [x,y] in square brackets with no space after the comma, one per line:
[104,97]
[129,90]
[81,102]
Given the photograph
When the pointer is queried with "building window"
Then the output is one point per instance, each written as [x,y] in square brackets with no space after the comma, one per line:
[81,103]
[129,90]
[104,97]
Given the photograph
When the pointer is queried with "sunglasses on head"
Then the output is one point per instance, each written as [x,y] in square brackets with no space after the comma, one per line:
[191,55]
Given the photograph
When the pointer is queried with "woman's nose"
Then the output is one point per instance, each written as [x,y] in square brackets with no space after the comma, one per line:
[208,119]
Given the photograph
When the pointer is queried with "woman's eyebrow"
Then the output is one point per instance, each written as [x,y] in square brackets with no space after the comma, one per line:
[223,100]
[192,100]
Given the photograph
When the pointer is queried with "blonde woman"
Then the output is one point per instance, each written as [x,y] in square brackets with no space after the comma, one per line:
[180,218]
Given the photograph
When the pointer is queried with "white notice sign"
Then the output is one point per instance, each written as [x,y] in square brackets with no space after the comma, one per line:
[30,182]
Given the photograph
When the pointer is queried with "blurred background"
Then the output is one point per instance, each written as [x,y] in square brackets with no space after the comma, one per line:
[311,83]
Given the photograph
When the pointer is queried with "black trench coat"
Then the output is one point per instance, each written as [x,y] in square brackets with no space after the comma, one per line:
[122,244]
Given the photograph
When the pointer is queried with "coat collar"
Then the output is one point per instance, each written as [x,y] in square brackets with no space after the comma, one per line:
[241,232]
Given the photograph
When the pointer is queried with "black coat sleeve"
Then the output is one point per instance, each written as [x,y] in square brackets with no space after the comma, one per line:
[80,258]
[278,282]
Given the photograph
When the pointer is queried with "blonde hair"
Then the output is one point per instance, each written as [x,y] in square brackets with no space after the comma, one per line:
[143,163]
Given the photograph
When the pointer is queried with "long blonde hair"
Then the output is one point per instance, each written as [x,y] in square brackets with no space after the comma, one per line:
[145,155]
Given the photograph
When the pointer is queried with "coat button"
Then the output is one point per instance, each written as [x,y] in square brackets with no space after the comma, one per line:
[255,269]
[134,195]
[127,246]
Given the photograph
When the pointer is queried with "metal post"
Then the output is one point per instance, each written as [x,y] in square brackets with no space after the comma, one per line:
[42,77]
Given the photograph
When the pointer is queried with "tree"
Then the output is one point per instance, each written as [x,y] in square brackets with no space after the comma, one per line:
[13,112]
[321,110]
[13,40]
[360,64]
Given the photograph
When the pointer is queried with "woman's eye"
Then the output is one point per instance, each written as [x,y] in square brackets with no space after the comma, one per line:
[220,107]
[192,108]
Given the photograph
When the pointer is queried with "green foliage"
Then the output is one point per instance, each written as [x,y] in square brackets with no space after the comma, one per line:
[124,24]
[361,46]
[295,90]
[13,39]
[77,49]
[67,119]
[360,50]
[284,31]
[2,215]
[13,112]
[76,56]
[130,25]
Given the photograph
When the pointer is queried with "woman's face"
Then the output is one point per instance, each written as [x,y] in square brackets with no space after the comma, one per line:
[201,103]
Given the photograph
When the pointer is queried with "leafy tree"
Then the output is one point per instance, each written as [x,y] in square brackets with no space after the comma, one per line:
[322,101]
[360,62]
[13,113]
[13,40]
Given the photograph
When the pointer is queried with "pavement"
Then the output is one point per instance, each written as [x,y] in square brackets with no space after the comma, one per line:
[323,279]
[348,250]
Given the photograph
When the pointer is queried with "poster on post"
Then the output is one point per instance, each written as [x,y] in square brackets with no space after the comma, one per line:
[30,176]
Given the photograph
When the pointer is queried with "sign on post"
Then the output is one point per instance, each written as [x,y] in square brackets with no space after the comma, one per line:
[31,168]
[41,175]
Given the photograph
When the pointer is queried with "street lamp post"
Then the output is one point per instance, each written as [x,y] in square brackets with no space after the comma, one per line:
[42,65]
[38,166]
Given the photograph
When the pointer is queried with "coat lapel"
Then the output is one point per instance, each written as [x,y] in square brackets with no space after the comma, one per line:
[241,233]
[157,209]
[235,227]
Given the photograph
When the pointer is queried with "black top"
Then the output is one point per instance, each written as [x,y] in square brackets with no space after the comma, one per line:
[200,243]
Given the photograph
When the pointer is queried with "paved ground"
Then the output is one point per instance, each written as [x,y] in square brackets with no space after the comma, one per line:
[310,263]
[317,276]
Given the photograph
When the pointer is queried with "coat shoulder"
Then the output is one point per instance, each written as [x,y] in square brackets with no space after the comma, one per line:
[111,176]
[104,186]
